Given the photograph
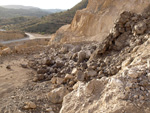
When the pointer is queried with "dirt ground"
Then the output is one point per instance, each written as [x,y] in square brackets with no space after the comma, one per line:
[17,87]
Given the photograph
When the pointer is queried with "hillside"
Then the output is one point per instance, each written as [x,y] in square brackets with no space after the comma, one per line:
[31,7]
[18,7]
[9,13]
[100,63]
[100,15]
[50,23]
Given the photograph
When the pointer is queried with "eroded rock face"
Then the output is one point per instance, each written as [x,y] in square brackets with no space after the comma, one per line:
[100,16]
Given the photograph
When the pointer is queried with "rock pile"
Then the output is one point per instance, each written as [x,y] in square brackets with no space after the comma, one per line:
[68,65]
[90,61]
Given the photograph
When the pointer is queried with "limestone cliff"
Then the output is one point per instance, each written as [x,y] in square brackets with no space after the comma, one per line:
[95,21]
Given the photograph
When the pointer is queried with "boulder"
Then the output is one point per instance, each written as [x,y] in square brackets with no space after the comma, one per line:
[56,95]
[91,73]
[81,56]
[80,75]
[30,105]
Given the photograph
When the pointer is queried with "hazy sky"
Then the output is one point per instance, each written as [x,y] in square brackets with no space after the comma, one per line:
[45,4]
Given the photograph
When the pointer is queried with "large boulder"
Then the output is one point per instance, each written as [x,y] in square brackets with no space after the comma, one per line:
[56,95]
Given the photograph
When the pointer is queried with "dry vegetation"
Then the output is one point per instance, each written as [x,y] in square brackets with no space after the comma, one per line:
[11,35]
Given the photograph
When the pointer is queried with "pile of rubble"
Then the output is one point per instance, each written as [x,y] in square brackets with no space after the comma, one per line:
[83,62]
[69,65]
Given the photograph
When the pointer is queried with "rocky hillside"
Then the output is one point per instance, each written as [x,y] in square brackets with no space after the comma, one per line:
[111,75]
[50,23]
[95,22]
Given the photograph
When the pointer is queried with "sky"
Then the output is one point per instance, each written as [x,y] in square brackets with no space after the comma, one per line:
[44,4]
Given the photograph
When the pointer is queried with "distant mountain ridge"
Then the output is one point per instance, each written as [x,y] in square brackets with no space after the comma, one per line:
[11,11]
[31,7]
[19,7]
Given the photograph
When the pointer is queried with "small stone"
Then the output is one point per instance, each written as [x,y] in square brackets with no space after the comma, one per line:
[74,71]
[141,97]
[40,77]
[8,67]
[48,62]
[68,76]
[53,80]
[135,96]
[80,75]
[6,51]
[64,50]
[91,73]
[49,109]
[52,112]
[35,79]
[59,64]
[76,85]
[71,83]
[142,88]
[24,65]
[59,80]
[76,49]
[88,54]
[30,105]
[81,56]
[41,71]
